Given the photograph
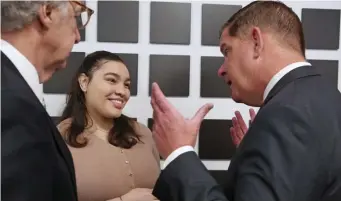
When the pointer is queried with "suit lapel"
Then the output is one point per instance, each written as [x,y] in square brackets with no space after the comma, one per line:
[293,75]
[20,83]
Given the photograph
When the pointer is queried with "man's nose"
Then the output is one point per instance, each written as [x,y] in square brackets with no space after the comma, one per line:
[221,71]
[78,36]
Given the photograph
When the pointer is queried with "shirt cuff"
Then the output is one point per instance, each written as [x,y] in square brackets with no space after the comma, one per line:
[176,153]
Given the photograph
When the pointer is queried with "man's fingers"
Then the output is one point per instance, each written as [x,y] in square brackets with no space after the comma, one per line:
[201,113]
[252,114]
[155,106]
[241,121]
[159,98]
[238,131]
[233,136]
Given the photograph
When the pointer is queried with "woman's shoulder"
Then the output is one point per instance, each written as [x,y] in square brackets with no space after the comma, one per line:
[142,130]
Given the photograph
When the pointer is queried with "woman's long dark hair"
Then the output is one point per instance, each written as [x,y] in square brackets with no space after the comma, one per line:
[122,134]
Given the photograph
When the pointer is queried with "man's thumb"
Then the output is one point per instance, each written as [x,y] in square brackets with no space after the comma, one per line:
[201,113]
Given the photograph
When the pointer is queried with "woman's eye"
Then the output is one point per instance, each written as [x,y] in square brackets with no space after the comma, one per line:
[112,80]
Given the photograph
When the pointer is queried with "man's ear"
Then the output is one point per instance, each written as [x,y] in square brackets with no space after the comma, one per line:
[83,82]
[45,16]
[257,40]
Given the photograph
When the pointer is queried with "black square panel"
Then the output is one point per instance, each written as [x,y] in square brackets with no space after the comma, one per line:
[170,23]
[219,176]
[328,68]
[215,142]
[150,126]
[131,60]
[82,33]
[150,123]
[171,72]
[321,28]
[56,120]
[213,18]
[211,85]
[60,82]
[118,21]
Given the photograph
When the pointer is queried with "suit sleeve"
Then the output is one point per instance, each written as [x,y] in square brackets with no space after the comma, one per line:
[187,179]
[279,158]
[27,159]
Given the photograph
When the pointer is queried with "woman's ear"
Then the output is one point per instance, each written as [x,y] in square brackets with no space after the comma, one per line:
[83,81]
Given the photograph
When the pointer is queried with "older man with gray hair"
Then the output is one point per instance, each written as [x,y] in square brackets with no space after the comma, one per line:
[36,40]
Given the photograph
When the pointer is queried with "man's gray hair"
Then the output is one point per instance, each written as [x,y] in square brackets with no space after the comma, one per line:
[15,15]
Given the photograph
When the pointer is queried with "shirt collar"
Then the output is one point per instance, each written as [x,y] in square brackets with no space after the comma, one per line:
[280,74]
[25,67]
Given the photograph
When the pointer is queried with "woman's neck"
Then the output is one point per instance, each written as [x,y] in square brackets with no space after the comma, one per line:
[103,124]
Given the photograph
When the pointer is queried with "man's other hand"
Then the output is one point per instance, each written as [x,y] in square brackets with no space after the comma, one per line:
[239,128]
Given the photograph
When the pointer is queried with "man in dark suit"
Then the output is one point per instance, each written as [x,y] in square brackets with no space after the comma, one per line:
[36,39]
[292,151]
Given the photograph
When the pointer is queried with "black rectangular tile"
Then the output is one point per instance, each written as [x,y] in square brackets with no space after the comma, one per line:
[321,28]
[150,123]
[131,61]
[215,142]
[118,21]
[82,33]
[211,85]
[328,68]
[219,176]
[150,126]
[213,18]
[170,23]
[171,72]
[56,120]
[60,82]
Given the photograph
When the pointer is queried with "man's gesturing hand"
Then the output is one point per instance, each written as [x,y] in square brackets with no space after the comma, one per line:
[170,129]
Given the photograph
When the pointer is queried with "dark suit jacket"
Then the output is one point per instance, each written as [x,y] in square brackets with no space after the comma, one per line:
[292,151]
[36,165]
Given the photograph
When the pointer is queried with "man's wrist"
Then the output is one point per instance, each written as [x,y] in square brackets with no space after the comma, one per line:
[177,153]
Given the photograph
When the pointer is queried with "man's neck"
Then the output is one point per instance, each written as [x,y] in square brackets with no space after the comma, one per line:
[276,67]
[26,43]
[280,59]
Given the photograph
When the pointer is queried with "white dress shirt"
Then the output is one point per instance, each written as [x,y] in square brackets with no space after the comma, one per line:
[25,67]
[268,88]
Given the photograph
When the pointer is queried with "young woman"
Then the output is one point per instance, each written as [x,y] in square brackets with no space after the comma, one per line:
[114,156]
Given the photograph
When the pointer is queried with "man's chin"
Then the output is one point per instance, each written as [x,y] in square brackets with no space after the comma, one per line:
[236,98]
[62,65]
[46,77]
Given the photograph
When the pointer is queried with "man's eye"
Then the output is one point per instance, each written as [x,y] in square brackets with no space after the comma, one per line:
[225,52]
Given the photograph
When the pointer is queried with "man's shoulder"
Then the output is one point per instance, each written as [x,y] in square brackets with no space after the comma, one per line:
[13,101]
[17,109]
